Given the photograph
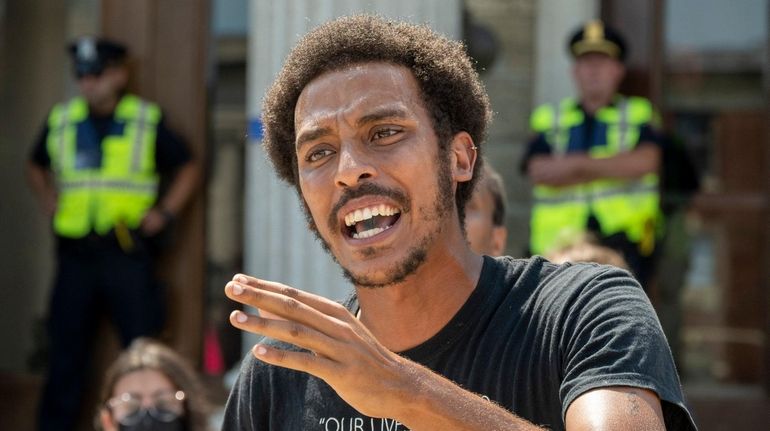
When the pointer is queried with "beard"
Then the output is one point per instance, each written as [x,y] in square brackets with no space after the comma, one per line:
[417,255]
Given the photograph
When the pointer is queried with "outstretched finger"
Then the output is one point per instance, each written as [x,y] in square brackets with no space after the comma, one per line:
[288,308]
[320,303]
[290,332]
[307,362]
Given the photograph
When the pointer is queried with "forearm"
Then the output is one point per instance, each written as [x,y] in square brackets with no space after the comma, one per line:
[574,169]
[624,166]
[436,403]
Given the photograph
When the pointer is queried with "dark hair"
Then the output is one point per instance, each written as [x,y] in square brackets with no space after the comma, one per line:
[449,85]
[145,353]
[493,183]
[587,249]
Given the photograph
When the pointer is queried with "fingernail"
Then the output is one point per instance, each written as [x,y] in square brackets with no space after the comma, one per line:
[241,279]
[240,317]
[237,289]
[261,350]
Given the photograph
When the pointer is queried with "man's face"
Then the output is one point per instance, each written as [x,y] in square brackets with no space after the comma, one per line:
[104,87]
[371,173]
[483,236]
[597,75]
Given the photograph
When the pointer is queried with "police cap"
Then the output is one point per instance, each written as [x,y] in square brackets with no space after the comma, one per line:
[91,55]
[594,36]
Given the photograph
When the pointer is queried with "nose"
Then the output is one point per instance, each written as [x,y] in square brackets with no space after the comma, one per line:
[353,166]
[147,402]
[87,82]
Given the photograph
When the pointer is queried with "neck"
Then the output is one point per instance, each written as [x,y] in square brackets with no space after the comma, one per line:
[407,314]
[103,108]
[591,104]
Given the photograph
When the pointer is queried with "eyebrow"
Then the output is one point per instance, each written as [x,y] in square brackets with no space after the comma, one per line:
[311,135]
[382,114]
[378,115]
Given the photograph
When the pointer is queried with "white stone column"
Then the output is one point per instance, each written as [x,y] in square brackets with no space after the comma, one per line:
[555,21]
[278,244]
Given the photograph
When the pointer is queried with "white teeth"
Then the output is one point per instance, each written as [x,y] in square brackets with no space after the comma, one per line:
[369,212]
[370,232]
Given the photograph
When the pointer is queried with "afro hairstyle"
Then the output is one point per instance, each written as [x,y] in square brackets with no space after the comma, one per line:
[451,89]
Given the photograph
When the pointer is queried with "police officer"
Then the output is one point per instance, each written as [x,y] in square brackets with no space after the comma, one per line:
[97,168]
[594,159]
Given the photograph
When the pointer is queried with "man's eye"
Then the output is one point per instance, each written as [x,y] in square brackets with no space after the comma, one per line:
[384,133]
[316,155]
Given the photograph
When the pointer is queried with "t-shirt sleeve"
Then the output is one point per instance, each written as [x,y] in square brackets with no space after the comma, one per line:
[171,151]
[39,153]
[536,146]
[648,135]
[613,338]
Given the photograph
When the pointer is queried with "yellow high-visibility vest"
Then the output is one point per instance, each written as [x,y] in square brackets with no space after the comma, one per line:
[123,188]
[559,214]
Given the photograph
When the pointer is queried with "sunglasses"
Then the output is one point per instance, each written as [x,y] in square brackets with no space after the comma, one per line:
[89,69]
[93,74]
[166,406]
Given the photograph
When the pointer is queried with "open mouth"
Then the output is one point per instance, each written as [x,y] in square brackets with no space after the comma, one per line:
[370,221]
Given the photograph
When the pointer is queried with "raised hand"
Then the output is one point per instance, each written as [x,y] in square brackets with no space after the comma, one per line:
[340,350]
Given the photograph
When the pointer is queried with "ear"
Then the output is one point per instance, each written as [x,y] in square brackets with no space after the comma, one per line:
[120,74]
[621,70]
[499,237]
[464,157]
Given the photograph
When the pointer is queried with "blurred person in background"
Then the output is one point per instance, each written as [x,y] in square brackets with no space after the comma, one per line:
[112,177]
[594,160]
[587,250]
[151,387]
[485,214]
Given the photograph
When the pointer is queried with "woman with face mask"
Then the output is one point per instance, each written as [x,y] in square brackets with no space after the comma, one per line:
[150,387]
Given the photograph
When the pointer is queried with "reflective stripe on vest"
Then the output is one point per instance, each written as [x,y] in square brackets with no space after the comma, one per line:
[560,214]
[123,188]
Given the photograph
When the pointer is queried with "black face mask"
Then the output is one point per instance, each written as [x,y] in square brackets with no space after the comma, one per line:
[143,421]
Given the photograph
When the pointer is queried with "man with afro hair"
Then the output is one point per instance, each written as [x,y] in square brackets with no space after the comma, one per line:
[379,126]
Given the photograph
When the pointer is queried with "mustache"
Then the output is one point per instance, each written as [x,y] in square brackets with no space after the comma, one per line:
[366,189]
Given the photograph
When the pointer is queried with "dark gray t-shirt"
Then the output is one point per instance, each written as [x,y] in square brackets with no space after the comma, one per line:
[532,337]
